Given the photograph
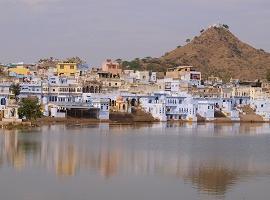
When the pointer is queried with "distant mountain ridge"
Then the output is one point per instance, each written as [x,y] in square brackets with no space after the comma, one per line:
[216,52]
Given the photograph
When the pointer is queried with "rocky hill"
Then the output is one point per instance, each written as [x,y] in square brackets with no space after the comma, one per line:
[215,52]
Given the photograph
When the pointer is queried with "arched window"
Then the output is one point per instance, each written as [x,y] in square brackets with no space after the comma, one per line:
[92,90]
[133,102]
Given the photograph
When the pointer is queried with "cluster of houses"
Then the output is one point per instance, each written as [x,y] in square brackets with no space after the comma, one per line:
[66,90]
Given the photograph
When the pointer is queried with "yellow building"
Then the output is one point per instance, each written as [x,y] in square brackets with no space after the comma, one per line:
[19,70]
[67,69]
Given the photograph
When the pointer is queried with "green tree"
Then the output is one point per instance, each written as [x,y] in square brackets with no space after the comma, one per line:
[15,88]
[30,108]
[134,64]
[119,60]
[47,60]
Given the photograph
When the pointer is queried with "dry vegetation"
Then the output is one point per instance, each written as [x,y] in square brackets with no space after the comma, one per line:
[215,52]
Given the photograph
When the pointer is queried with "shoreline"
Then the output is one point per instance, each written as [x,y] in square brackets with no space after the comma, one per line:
[85,122]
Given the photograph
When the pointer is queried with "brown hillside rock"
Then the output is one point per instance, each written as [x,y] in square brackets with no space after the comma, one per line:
[217,52]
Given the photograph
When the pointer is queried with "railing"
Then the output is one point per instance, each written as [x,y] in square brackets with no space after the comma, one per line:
[176,113]
[73,104]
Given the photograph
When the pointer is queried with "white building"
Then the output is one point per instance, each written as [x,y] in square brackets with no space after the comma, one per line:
[4,94]
[103,106]
[31,89]
[169,84]
[262,108]
[192,77]
[144,77]
[166,107]
[206,109]
[155,105]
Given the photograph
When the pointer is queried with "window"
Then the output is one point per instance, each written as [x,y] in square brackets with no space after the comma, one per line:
[71,67]
[115,83]
[71,89]
[62,67]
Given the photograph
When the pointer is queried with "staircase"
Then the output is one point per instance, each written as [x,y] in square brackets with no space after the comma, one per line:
[247,114]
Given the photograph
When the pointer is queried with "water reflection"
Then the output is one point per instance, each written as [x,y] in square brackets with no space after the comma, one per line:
[212,164]
[17,149]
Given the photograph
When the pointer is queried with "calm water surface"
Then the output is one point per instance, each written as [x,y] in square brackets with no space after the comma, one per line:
[140,162]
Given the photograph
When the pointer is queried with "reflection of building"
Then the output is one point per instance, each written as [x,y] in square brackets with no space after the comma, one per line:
[14,157]
[211,164]
[16,149]
[66,161]
[109,162]
[213,179]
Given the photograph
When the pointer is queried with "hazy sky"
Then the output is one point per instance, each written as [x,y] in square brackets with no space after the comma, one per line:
[99,29]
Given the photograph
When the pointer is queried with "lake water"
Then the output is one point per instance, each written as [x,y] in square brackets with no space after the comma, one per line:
[139,162]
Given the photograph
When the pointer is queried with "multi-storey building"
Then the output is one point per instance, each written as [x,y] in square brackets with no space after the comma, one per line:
[112,67]
[67,69]
[185,73]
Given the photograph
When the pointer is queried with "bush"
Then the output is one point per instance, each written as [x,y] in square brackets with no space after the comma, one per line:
[15,89]
[134,64]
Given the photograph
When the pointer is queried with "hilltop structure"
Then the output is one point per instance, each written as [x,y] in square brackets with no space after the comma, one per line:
[183,91]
